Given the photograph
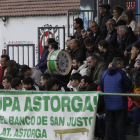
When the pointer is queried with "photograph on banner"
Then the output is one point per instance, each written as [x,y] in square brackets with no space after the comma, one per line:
[51,116]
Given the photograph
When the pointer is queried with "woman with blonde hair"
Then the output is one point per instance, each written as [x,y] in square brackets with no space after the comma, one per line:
[118,13]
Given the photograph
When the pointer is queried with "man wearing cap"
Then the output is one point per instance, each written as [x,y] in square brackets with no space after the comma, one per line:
[119,23]
[34,73]
[104,15]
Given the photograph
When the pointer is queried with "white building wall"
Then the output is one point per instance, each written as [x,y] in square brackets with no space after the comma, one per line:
[25,29]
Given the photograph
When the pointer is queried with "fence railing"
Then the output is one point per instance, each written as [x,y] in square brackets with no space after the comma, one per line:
[58,33]
[25,54]
[137,17]
[86,15]
[119,94]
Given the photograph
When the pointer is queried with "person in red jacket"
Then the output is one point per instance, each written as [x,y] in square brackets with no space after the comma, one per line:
[4,59]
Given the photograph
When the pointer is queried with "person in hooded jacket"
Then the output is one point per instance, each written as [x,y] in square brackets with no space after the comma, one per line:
[42,65]
[114,80]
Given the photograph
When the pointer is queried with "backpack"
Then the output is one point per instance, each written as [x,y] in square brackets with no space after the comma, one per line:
[136,90]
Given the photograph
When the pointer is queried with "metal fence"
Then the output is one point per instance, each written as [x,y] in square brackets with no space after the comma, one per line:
[13,50]
[95,13]
[82,14]
[137,16]
[86,15]
[58,33]
[119,94]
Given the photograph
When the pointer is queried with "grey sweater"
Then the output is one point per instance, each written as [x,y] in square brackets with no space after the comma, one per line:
[36,75]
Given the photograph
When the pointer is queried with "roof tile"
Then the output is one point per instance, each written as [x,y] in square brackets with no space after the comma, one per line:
[14,8]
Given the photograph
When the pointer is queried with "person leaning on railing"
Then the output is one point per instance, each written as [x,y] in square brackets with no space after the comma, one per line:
[114,80]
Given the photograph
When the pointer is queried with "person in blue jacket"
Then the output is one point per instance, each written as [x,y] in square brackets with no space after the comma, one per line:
[114,80]
[42,65]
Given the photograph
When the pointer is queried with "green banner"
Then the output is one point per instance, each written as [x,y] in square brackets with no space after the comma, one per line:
[47,115]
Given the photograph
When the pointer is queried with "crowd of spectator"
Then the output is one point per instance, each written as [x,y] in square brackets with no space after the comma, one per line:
[105,57]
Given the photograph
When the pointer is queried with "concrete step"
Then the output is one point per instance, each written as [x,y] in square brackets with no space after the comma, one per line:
[130,137]
[129,133]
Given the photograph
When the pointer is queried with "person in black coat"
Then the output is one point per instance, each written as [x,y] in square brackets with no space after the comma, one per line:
[112,33]
[97,34]
[103,47]
[127,38]
[77,50]
[118,44]
[104,15]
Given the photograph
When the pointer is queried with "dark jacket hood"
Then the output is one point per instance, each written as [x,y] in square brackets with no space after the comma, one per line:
[113,70]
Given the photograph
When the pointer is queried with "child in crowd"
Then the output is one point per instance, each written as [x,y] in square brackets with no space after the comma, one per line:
[103,47]
[130,59]
[89,46]
[134,53]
